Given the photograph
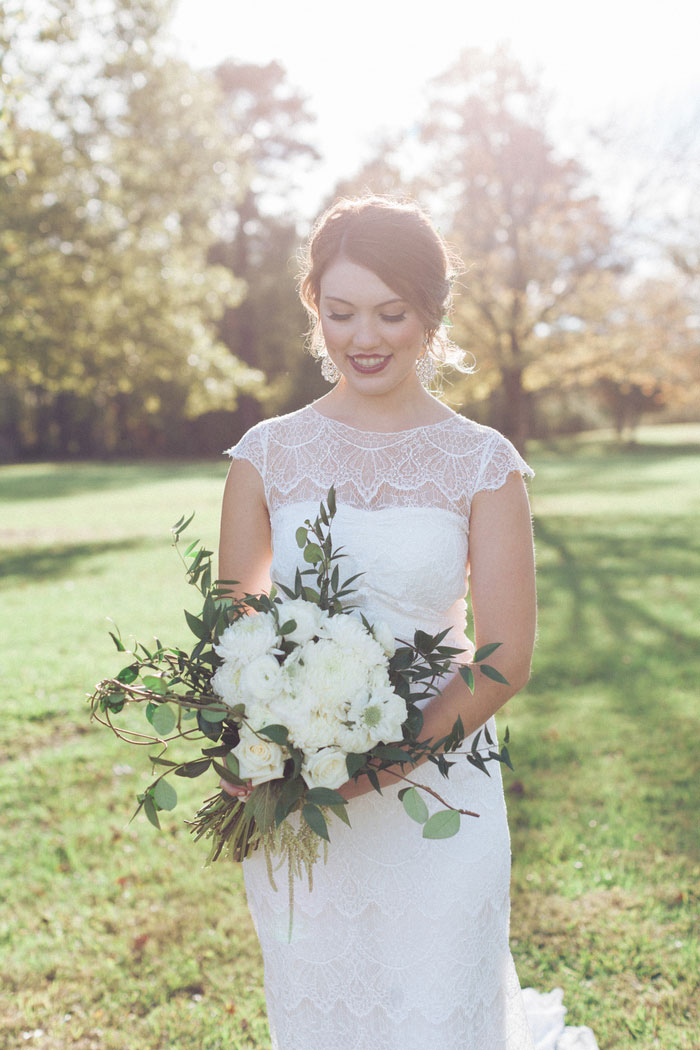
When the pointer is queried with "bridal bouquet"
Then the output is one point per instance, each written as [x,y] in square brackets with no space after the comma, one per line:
[295,692]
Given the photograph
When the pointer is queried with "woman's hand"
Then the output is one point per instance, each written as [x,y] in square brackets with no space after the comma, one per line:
[240,791]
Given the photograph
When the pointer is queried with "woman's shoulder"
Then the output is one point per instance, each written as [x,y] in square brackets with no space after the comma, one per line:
[489,456]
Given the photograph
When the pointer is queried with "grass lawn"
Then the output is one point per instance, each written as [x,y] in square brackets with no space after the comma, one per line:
[115,938]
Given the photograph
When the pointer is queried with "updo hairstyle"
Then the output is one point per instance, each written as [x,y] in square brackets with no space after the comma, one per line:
[397,242]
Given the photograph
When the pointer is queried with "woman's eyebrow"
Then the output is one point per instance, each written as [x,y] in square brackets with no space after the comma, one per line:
[337,299]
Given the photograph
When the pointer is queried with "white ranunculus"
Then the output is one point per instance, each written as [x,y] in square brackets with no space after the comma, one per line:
[259,760]
[226,682]
[326,768]
[262,678]
[385,636]
[307,616]
[247,638]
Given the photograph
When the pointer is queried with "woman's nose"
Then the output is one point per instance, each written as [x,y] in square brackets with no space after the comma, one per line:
[366,336]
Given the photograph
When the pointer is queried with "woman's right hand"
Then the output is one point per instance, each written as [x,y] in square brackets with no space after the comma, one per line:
[241,791]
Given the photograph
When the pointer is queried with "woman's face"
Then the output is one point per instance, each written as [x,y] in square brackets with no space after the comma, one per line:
[372,335]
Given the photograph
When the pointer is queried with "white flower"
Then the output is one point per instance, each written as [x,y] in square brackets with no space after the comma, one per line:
[247,638]
[326,768]
[307,616]
[327,675]
[259,760]
[351,634]
[262,679]
[381,716]
[385,636]
[226,681]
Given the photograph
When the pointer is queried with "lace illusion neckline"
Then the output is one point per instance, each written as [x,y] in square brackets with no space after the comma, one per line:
[382,433]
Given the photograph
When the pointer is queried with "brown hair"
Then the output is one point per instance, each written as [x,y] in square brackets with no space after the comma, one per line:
[394,239]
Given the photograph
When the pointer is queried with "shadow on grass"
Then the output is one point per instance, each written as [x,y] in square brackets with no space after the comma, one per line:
[30,564]
[59,480]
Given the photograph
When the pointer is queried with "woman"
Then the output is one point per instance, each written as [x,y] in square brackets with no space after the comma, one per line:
[403,942]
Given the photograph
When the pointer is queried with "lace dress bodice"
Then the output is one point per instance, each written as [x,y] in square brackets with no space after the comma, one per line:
[404,500]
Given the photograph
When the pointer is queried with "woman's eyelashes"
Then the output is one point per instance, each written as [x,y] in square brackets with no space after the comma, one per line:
[391,318]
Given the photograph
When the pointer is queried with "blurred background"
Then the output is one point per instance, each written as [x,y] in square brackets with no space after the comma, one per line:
[161,162]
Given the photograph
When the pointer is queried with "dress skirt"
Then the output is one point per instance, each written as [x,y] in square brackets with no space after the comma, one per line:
[402,944]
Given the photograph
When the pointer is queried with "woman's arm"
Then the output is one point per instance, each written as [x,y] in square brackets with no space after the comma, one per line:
[244,543]
[502,573]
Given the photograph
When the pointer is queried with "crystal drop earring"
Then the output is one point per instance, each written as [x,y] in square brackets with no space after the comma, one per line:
[425,368]
[329,371]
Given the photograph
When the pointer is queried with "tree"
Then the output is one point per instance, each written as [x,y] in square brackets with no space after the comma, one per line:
[109,301]
[266,117]
[535,239]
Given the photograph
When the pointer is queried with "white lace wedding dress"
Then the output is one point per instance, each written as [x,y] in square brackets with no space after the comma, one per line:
[403,942]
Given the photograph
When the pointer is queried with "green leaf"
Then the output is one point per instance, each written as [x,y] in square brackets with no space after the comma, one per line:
[331,499]
[493,674]
[150,811]
[277,734]
[231,762]
[121,648]
[313,553]
[485,650]
[156,685]
[212,730]
[415,806]
[442,825]
[468,676]
[129,674]
[316,820]
[165,795]
[194,768]
[263,802]
[505,757]
[311,595]
[341,813]
[288,627]
[301,536]
[157,761]
[213,715]
[163,720]
[196,626]
[291,792]
[354,762]
[322,796]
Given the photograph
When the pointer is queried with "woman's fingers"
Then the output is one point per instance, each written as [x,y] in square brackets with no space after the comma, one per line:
[241,791]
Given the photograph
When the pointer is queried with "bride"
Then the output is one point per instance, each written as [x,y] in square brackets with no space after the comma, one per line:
[402,944]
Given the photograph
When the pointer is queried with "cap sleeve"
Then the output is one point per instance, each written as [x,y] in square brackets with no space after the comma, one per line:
[252,447]
[499,460]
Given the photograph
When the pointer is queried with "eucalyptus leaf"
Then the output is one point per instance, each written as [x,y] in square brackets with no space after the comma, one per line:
[301,534]
[129,674]
[442,825]
[194,768]
[341,813]
[276,733]
[165,795]
[213,715]
[468,676]
[415,806]
[154,684]
[163,720]
[313,553]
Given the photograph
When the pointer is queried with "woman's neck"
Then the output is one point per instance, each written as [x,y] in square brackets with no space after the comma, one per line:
[382,412]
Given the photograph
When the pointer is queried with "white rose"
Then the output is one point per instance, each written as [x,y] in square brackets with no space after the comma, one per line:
[259,760]
[307,616]
[385,636]
[326,768]
[247,638]
[262,678]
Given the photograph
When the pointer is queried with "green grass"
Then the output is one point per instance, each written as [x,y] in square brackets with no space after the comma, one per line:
[115,937]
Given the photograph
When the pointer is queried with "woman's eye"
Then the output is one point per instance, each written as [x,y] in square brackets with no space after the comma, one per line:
[393,317]
[339,317]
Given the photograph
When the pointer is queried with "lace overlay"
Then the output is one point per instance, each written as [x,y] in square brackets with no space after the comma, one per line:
[403,942]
